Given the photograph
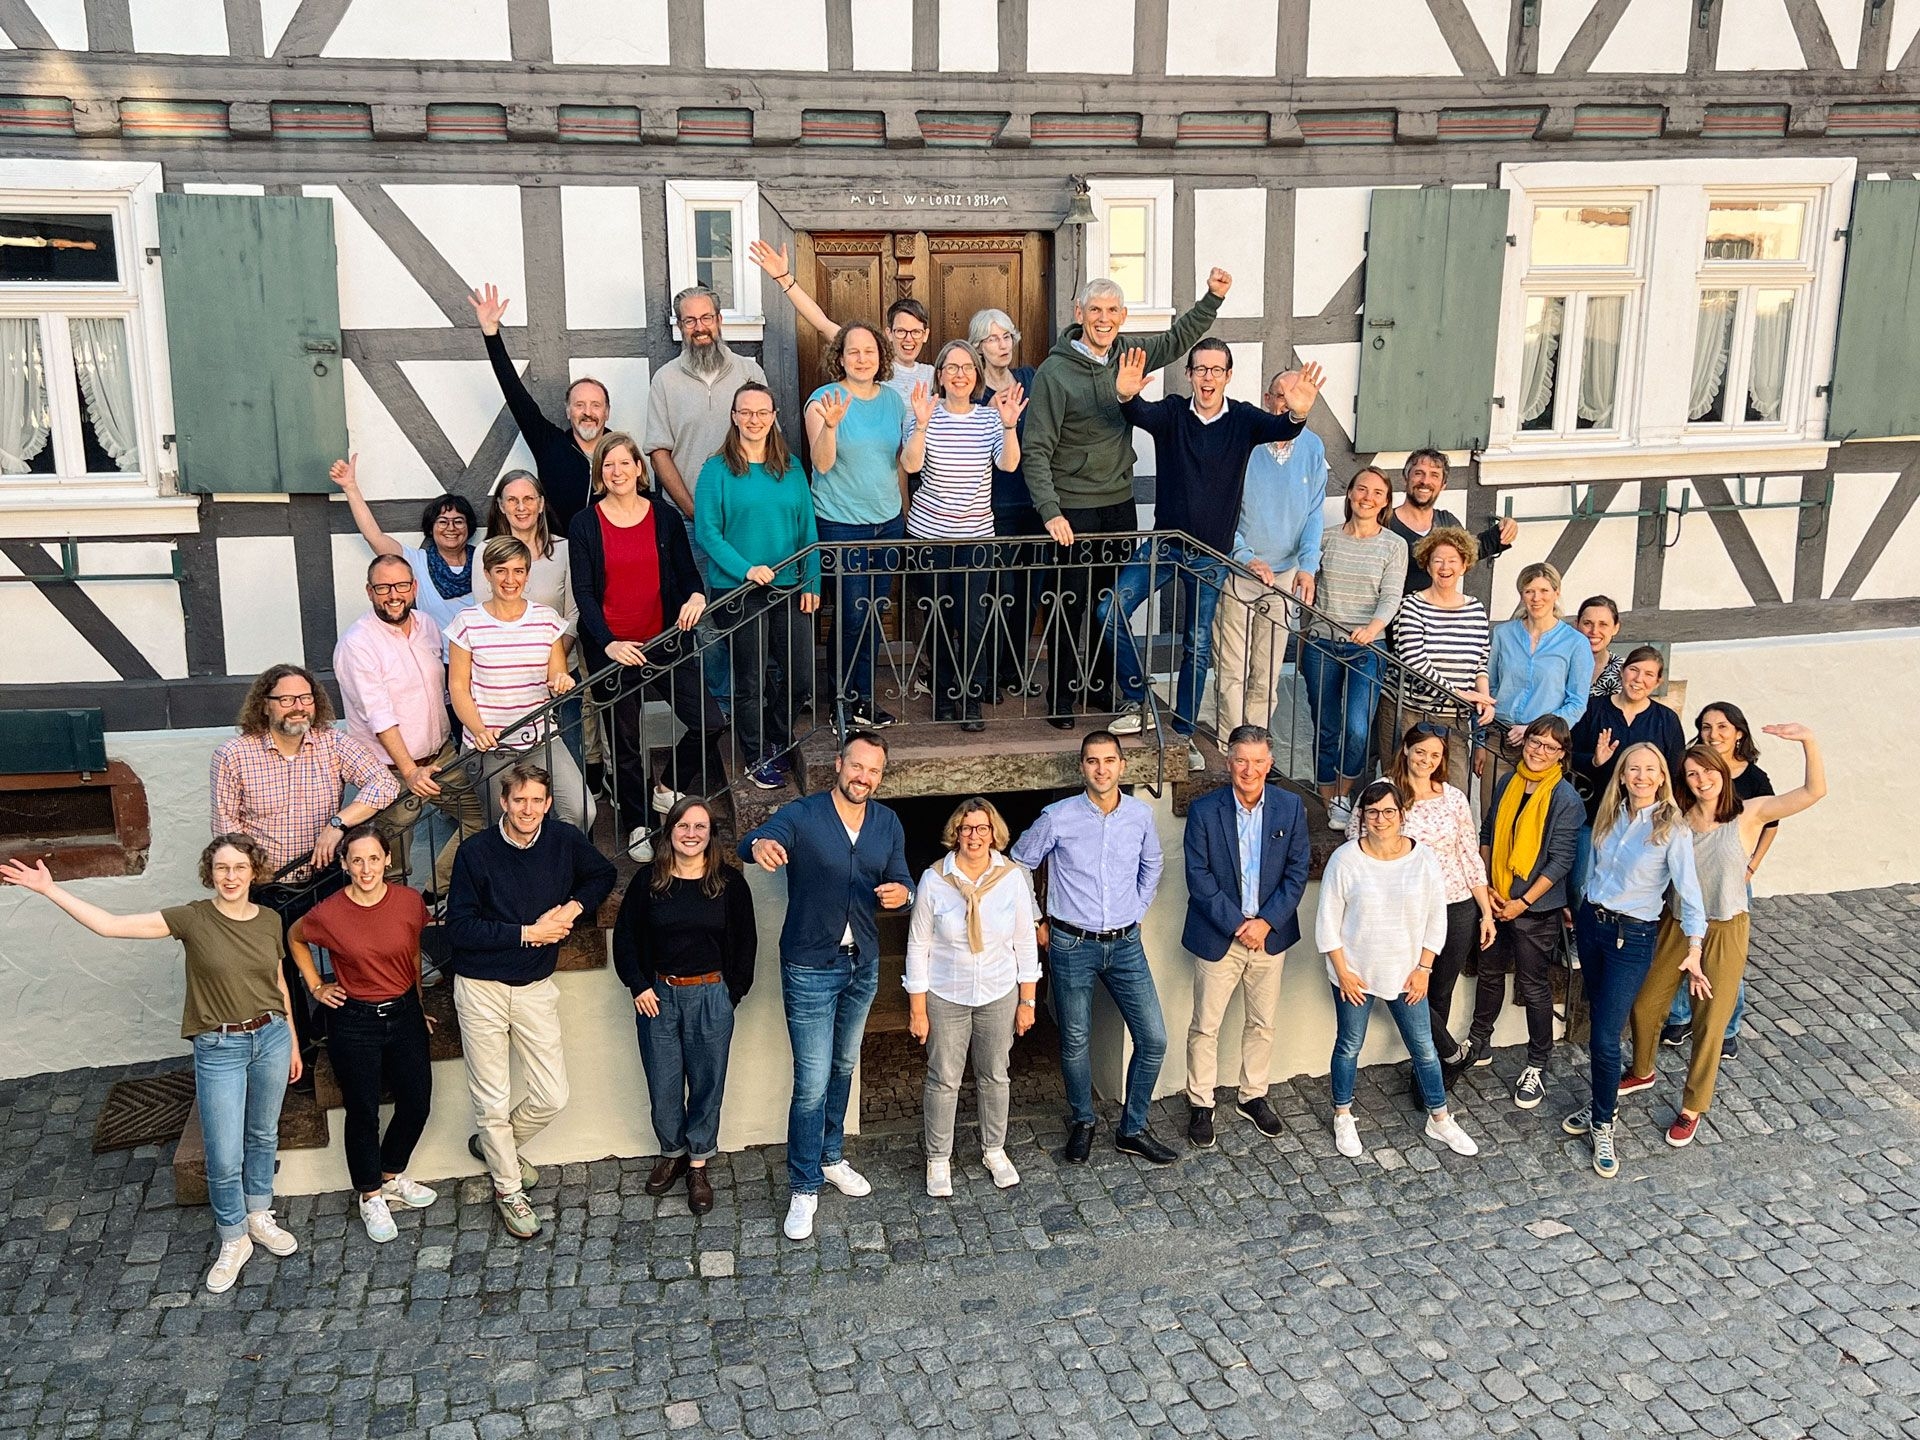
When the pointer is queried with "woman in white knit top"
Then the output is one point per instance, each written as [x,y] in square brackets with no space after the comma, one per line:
[1383,917]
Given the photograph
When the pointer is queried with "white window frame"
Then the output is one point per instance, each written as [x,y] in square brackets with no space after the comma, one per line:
[747,320]
[1655,438]
[41,506]
[1157,196]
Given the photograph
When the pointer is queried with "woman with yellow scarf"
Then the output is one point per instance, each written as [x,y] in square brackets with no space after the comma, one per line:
[1528,839]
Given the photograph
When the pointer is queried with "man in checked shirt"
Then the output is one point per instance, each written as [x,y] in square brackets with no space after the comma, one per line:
[282,780]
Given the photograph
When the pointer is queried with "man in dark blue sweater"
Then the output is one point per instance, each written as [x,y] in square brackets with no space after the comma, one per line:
[517,890]
[849,854]
[1201,448]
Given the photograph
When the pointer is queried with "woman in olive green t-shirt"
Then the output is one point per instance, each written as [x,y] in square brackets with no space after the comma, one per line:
[236,1015]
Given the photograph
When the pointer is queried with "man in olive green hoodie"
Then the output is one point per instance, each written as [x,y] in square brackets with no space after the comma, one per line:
[1077,456]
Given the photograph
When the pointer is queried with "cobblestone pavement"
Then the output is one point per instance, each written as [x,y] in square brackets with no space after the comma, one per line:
[1765,1282]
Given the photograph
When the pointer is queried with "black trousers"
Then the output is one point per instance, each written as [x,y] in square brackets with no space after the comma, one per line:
[772,647]
[1524,946]
[1463,933]
[694,767]
[1081,676]
[370,1049]
[1017,595]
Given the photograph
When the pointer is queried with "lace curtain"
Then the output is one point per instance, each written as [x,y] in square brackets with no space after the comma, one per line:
[1772,324]
[1600,360]
[1537,358]
[1712,344]
[105,370]
[25,423]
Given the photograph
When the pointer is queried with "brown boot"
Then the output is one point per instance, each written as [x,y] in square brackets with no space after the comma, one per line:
[666,1170]
[699,1190]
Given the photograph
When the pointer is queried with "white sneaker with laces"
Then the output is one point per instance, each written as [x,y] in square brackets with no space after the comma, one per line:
[226,1265]
[1339,812]
[265,1230]
[847,1180]
[1346,1137]
[799,1221]
[665,799]
[1196,762]
[409,1192]
[1130,720]
[378,1219]
[940,1178]
[1448,1132]
[640,845]
[1000,1168]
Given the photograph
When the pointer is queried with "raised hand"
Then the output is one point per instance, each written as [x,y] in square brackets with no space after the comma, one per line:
[1010,402]
[1130,374]
[833,406]
[1302,387]
[1791,730]
[345,473]
[488,307]
[921,399]
[1219,282]
[1603,747]
[773,261]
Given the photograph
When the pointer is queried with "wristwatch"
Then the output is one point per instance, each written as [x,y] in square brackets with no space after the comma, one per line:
[337,823]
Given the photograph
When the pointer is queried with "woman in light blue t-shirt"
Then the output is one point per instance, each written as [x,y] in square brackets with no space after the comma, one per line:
[865,439]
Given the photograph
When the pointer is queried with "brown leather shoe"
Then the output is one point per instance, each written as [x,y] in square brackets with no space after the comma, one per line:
[666,1170]
[699,1190]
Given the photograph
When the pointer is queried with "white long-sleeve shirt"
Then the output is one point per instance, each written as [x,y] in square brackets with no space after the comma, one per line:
[1381,914]
[938,955]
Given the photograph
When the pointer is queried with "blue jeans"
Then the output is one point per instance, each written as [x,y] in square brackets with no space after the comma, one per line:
[1615,955]
[715,665]
[826,1016]
[1416,1031]
[1121,966]
[1197,578]
[1343,686]
[1682,1012]
[1582,863]
[684,1052]
[240,1080]
[865,580]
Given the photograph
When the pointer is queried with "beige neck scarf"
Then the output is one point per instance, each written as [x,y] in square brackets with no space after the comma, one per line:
[972,890]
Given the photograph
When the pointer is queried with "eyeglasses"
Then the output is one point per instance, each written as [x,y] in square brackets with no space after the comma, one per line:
[1541,745]
[909,332]
[960,369]
[384,588]
[753,414]
[1380,812]
[1207,372]
[451,518]
[976,830]
[700,322]
[292,702]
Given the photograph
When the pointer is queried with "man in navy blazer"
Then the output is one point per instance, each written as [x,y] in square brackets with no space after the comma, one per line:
[1247,860]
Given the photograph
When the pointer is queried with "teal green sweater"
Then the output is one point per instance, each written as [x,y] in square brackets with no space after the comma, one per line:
[1075,449]
[753,519]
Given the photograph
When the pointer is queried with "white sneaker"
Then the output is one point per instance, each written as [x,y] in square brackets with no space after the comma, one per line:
[665,799]
[1449,1133]
[1001,1169]
[226,1265]
[1196,762]
[378,1219]
[1346,1137]
[409,1192]
[939,1178]
[847,1180]
[1339,812]
[799,1222]
[266,1230]
[640,845]
[1129,720]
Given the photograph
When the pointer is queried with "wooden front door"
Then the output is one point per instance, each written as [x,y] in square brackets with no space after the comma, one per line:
[856,276]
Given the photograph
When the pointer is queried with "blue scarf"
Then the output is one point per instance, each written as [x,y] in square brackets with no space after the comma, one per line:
[451,583]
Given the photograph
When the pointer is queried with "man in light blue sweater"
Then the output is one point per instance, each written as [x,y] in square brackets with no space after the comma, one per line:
[1282,515]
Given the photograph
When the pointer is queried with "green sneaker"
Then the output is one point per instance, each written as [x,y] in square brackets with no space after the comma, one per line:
[529,1177]
[521,1222]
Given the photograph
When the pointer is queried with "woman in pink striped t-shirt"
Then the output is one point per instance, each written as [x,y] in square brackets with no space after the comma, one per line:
[505,658]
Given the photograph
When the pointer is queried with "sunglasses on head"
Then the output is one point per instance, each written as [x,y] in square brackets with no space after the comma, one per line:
[1431,730]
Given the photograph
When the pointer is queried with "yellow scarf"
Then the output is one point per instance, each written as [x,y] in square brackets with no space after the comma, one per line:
[1518,832]
[976,941]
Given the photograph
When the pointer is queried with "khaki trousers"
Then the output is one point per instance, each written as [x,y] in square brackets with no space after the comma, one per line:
[1723,959]
[500,1022]
[1256,975]
[457,800]
[1249,642]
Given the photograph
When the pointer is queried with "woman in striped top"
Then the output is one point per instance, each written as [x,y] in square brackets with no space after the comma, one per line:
[505,657]
[965,442]
[1362,568]
[1445,635]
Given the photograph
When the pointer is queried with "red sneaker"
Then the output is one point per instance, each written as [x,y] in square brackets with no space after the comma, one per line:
[1682,1131]
[1631,1082]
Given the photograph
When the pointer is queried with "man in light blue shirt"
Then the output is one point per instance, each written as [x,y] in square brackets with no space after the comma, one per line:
[1282,516]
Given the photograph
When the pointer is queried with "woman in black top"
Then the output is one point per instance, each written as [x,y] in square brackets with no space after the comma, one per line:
[684,945]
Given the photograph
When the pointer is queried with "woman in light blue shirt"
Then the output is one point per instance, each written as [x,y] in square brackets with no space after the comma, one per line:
[1540,665]
[1641,846]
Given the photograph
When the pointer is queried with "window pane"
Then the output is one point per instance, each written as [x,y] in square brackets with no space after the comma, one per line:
[713,253]
[1129,272]
[1755,229]
[103,373]
[1126,230]
[1600,363]
[1772,330]
[1712,347]
[1582,235]
[57,249]
[1546,316]
[25,423]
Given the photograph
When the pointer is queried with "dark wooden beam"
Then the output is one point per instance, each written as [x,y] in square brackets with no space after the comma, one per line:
[1150,38]
[110,25]
[311,27]
[1731,526]
[23,27]
[1464,39]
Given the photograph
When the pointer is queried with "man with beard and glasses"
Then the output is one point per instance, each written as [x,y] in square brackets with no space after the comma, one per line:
[689,410]
[393,686]
[844,853]
[1425,474]
[282,780]
[561,453]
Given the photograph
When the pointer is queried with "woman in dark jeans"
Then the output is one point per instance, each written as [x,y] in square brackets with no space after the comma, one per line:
[377,1030]
[684,945]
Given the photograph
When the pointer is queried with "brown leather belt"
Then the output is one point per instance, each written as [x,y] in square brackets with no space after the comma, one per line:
[714,978]
[247,1027]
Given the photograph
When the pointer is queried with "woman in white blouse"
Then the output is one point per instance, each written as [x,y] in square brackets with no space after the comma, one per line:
[972,966]
[1383,917]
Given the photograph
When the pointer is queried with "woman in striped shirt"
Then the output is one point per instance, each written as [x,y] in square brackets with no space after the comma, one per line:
[965,442]
[1445,635]
[505,657]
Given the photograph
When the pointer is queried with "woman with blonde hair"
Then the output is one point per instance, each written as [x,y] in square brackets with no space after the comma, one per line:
[1540,665]
[973,965]
[1641,846]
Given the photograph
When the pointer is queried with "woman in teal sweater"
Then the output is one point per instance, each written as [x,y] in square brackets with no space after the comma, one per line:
[755,513]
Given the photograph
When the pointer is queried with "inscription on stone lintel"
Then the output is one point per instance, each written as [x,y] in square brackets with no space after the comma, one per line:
[926,199]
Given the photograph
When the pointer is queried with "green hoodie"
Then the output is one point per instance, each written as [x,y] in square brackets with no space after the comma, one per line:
[1075,450]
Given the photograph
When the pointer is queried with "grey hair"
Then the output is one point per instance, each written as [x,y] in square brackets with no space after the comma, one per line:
[1250,735]
[979,367]
[1097,289]
[983,322]
[691,292]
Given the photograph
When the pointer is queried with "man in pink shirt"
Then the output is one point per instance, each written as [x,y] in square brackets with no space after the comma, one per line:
[394,686]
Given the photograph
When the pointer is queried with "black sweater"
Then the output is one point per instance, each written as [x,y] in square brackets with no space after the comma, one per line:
[587,560]
[559,461]
[1202,466]
[1656,725]
[684,931]
[498,888]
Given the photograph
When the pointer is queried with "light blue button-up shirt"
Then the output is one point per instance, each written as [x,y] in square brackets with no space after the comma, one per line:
[1631,873]
[1104,868]
[1529,680]
[1247,828]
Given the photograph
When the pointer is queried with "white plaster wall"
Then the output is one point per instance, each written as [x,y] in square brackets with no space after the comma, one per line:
[1856,501]
[969,35]
[1906,25]
[882,35]
[1491,19]
[476,229]
[1342,384]
[461,395]
[600,242]
[65,21]
[1230,231]
[1249,379]
[766,34]
[587,32]
[1757,35]
[1329,241]
[179,27]
[375,288]
[1225,37]
[1843,19]
[1604,565]
[390,468]
[1382,37]
[259,602]
[1089,37]
[274,18]
[42,648]
[1651,38]
[423,30]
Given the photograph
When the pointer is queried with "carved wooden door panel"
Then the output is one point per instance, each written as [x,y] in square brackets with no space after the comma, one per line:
[852,276]
[970,273]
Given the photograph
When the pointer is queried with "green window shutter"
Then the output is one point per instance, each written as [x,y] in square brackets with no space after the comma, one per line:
[1877,353]
[253,327]
[1432,318]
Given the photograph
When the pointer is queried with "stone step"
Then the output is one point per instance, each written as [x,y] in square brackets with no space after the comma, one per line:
[303,1126]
